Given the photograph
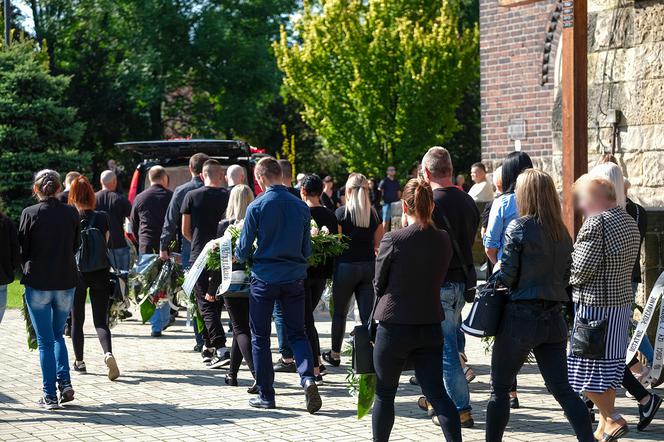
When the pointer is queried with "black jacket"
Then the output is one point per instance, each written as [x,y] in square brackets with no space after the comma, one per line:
[410,268]
[534,266]
[147,217]
[9,250]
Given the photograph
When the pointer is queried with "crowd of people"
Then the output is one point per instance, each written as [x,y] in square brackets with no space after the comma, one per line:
[413,280]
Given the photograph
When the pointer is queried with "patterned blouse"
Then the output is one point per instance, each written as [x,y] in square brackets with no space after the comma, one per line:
[604,253]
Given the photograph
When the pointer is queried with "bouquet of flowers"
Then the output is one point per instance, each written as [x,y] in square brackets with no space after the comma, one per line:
[154,282]
[325,245]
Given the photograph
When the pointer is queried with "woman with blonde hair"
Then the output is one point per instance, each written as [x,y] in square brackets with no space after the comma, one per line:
[604,254]
[355,267]
[535,267]
[236,301]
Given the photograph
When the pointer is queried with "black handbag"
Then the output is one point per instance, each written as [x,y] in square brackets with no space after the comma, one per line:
[589,336]
[471,278]
[364,337]
[487,310]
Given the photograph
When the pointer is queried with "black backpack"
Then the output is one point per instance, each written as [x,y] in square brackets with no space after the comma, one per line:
[92,255]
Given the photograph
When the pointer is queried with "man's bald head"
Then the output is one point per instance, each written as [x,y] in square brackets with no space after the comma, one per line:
[236,174]
[109,181]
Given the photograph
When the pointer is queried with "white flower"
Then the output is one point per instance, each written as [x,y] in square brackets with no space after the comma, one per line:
[314,231]
[325,230]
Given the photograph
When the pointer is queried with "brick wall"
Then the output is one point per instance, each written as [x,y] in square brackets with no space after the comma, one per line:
[511,50]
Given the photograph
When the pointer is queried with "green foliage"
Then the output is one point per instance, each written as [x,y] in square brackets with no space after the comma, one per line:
[380,80]
[37,129]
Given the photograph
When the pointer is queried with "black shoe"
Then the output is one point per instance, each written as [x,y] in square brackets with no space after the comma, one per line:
[66,394]
[312,397]
[322,370]
[647,412]
[257,402]
[80,368]
[207,356]
[156,334]
[220,362]
[413,381]
[253,389]
[198,348]
[319,379]
[231,380]
[285,367]
[514,403]
[327,356]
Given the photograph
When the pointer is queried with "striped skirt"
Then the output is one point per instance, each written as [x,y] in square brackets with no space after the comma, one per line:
[598,375]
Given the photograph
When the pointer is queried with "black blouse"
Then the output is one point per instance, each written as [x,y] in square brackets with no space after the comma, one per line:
[49,236]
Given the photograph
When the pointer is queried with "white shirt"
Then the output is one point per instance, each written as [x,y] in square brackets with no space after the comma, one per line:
[481,192]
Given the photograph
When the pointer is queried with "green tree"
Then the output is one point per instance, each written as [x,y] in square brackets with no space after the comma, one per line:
[37,130]
[380,80]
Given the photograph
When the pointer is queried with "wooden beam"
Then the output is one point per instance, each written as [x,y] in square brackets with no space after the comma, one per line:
[575,103]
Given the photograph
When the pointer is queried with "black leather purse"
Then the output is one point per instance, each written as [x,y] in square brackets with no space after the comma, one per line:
[485,316]
[589,337]
[364,337]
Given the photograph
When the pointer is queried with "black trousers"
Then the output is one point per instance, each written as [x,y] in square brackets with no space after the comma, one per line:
[313,290]
[213,333]
[100,293]
[351,278]
[541,328]
[423,345]
[238,310]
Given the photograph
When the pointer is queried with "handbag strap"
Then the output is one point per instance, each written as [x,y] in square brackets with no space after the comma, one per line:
[455,246]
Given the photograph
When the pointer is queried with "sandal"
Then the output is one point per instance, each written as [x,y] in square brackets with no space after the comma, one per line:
[613,437]
[469,373]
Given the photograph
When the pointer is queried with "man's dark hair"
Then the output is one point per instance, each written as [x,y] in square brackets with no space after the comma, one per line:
[312,185]
[514,164]
[213,169]
[480,166]
[197,161]
[286,168]
[269,168]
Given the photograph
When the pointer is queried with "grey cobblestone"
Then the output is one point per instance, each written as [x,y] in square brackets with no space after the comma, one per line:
[164,393]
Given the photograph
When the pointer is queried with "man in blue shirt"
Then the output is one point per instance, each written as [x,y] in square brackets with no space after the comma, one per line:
[280,224]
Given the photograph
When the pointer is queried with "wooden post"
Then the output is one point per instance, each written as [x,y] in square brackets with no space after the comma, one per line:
[575,103]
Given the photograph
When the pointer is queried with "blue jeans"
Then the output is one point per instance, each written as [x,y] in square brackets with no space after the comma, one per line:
[3,301]
[160,317]
[282,337]
[451,298]
[119,258]
[262,298]
[48,311]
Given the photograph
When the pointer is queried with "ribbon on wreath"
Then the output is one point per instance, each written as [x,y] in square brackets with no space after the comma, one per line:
[225,245]
[642,327]
[226,255]
[196,269]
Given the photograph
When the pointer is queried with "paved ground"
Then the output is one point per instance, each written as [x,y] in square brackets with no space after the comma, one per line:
[165,394]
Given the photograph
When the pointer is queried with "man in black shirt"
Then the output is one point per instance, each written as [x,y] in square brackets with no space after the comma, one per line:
[69,178]
[147,219]
[455,212]
[391,192]
[118,208]
[287,180]
[202,209]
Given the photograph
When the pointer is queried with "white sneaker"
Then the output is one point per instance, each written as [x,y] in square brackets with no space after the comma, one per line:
[113,370]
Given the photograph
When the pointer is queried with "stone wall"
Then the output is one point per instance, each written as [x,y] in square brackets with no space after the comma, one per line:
[626,73]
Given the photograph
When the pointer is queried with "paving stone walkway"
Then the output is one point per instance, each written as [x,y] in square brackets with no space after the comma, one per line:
[165,394]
